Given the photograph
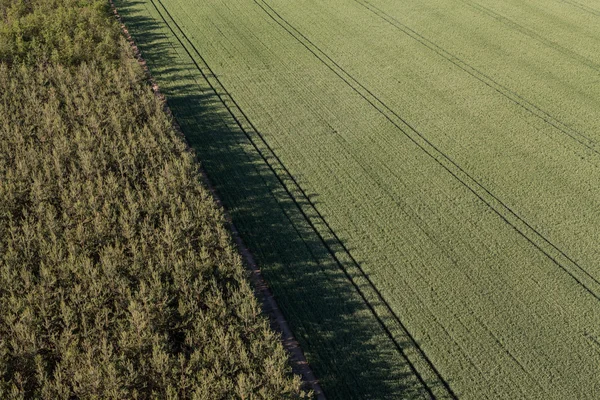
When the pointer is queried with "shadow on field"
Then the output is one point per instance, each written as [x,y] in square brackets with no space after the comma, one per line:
[345,345]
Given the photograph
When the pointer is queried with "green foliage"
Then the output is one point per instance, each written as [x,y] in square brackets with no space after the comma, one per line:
[118,278]
[59,31]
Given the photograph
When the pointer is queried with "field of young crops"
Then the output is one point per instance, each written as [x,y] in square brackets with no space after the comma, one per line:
[418,180]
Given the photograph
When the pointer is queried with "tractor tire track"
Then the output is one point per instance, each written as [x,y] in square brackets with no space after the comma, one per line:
[290,343]
[532,34]
[583,7]
[528,232]
[249,130]
[514,97]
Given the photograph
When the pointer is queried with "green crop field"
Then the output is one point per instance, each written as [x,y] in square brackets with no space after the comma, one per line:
[417,179]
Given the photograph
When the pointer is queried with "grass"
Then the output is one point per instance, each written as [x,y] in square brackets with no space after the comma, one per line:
[118,277]
[304,275]
[443,158]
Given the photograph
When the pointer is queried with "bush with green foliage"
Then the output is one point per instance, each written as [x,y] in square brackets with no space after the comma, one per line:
[118,278]
[57,31]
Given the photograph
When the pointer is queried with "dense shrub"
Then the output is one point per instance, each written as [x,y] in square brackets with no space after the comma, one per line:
[118,278]
[59,31]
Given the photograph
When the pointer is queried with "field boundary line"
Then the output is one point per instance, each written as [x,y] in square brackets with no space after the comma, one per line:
[514,97]
[528,232]
[265,295]
[251,128]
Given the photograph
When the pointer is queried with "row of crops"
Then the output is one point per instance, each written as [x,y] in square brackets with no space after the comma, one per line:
[418,180]
[118,276]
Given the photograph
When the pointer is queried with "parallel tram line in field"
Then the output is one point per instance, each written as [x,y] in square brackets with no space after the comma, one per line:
[495,316]
[309,249]
[383,167]
[502,346]
[249,130]
[583,7]
[551,251]
[532,34]
[580,138]
[472,291]
[509,354]
[419,224]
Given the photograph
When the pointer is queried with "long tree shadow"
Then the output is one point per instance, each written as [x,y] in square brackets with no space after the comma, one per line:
[345,344]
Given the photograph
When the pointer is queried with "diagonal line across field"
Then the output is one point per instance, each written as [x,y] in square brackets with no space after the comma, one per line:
[588,282]
[583,7]
[425,235]
[532,34]
[245,125]
[334,248]
[579,137]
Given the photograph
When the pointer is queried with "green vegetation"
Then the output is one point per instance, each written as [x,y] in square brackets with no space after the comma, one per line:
[118,278]
[420,174]
[65,32]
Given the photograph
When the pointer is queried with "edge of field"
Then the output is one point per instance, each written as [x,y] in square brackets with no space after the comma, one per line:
[298,361]
[356,346]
